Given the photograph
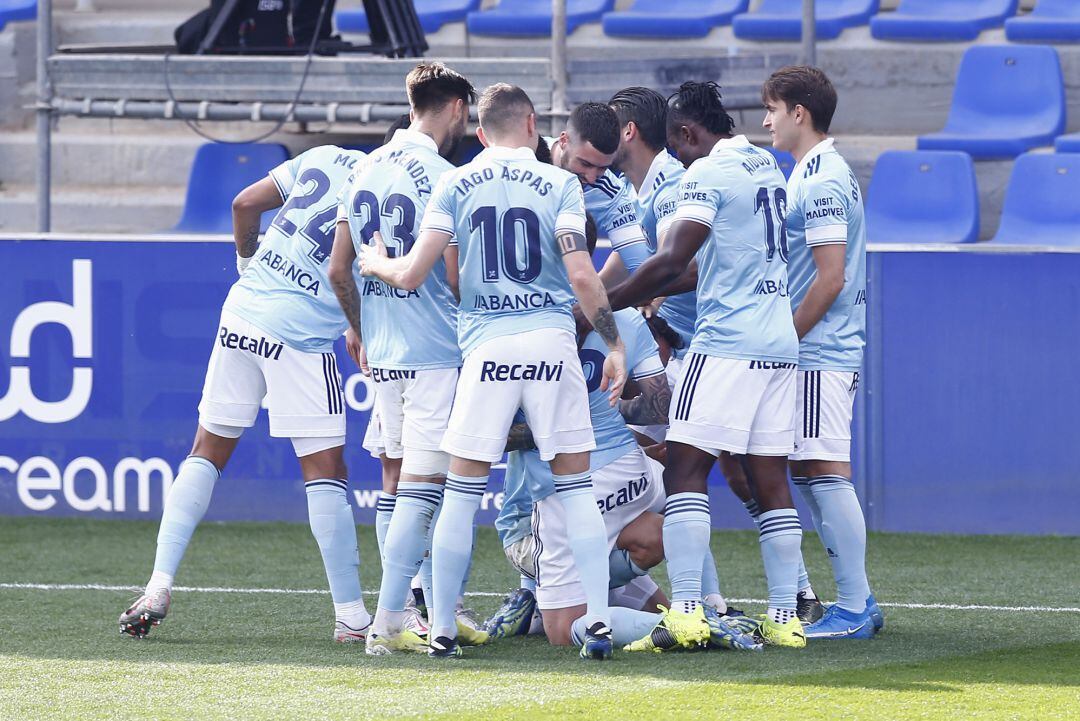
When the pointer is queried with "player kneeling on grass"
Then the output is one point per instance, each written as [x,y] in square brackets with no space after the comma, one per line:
[275,340]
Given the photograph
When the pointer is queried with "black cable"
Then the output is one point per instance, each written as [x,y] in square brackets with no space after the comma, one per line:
[193,124]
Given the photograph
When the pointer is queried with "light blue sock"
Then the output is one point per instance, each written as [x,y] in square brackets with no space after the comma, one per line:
[426,565]
[627,625]
[406,540]
[185,506]
[686,541]
[451,546]
[802,484]
[384,510]
[468,569]
[843,531]
[529,584]
[804,577]
[587,537]
[334,529]
[710,579]
[780,536]
[622,569]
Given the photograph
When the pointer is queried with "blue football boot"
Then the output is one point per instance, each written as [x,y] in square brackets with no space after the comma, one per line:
[597,645]
[875,613]
[839,623]
[514,615]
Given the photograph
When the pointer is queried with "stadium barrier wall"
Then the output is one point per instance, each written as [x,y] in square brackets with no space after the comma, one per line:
[965,420]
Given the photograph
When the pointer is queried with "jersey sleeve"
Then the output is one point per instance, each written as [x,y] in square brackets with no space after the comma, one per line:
[284,175]
[699,197]
[824,208]
[665,203]
[571,215]
[441,209]
[643,355]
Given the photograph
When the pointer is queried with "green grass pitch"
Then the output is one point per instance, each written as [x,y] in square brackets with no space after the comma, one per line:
[269,656]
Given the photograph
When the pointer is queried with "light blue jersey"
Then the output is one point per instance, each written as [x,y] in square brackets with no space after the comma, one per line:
[613,437]
[285,290]
[824,207]
[403,329]
[743,308]
[610,202]
[504,209]
[528,479]
[656,205]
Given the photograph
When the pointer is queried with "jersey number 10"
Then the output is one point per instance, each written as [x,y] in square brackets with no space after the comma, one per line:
[519,233]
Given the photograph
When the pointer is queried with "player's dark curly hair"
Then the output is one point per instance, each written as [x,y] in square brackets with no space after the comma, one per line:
[661,329]
[699,103]
[543,151]
[647,109]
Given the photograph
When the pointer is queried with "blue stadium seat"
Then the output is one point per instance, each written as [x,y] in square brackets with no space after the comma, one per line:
[12,10]
[1052,21]
[1008,99]
[672,18]
[533,17]
[923,197]
[941,19]
[219,172]
[1040,202]
[433,15]
[782,19]
[1068,143]
[784,159]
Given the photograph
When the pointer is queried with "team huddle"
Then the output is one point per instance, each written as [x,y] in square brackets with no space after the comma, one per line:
[727,325]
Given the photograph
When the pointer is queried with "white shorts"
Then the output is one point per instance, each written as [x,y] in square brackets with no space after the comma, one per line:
[303,390]
[740,406]
[824,400]
[624,489]
[658,432]
[538,372]
[373,437]
[413,407]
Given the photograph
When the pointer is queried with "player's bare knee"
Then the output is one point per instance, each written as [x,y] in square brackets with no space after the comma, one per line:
[216,444]
[557,623]
[391,473]
[324,463]
[768,476]
[567,464]
[643,539]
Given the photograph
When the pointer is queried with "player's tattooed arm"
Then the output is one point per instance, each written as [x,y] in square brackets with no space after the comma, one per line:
[247,209]
[520,438]
[651,406]
[594,306]
[342,262]
[603,322]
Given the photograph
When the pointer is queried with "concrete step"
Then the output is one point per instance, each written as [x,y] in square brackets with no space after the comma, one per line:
[87,209]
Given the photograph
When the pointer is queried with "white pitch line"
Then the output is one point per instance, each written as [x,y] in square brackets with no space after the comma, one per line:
[489,594]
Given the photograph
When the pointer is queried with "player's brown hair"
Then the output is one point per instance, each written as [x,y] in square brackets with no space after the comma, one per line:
[806,86]
[501,106]
[431,86]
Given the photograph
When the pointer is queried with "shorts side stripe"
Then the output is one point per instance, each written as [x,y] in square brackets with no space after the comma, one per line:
[686,396]
[817,404]
[326,385]
[339,395]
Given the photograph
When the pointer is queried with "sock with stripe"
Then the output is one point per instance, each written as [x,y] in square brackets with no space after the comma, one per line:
[334,529]
[627,625]
[780,536]
[451,547]
[710,584]
[426,565]
[843,532]
[185,506]
[587,538]
[529,584]
[804,578]
[622,569]
[686,542]
[384,511]
[406,544]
